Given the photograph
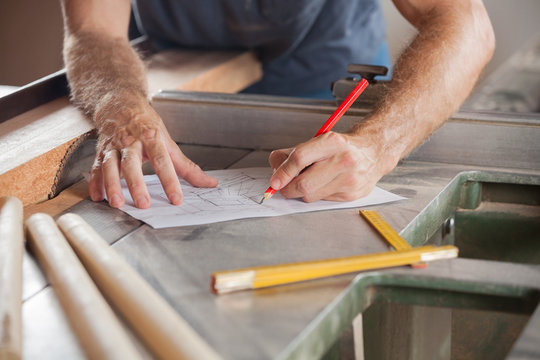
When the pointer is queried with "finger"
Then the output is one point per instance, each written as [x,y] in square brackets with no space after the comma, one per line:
[305,154]
[345,187]
[95,184]
[277,157]
[353,193]
[313,184]
[189,171]
[111,178]
[131,165]
[156,151]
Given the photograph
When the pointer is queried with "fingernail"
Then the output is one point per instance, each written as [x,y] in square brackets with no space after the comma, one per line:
[141,202]
[175,198]
[116,201]
[275,184]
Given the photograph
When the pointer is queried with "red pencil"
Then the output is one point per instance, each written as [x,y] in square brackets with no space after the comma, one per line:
[327,126]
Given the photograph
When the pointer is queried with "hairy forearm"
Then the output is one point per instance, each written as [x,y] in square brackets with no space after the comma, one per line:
[431,79]
[108,82]
[103,72]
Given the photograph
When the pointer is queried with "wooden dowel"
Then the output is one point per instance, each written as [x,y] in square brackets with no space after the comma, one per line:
[98,329]
[11,253]
[157,323]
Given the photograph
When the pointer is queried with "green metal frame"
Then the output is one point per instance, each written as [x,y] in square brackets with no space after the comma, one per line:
[436,287]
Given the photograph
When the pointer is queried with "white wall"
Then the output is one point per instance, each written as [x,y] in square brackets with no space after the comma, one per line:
[515,23]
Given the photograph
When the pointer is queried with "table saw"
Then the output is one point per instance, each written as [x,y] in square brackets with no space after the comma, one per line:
[474,183]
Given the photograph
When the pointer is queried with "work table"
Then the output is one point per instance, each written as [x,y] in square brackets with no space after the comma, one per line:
[308,319]
[275,322]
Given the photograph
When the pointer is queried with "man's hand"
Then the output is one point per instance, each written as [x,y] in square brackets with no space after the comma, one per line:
[333,166]
[108,82]
[130,134]
[431,79]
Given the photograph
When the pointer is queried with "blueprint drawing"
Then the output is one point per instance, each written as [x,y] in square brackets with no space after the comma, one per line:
[237,196]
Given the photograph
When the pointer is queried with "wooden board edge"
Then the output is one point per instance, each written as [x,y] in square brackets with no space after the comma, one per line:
[229,77]
[33,181]
[62,202]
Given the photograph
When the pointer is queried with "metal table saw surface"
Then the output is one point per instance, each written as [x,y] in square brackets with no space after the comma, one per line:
[305,320]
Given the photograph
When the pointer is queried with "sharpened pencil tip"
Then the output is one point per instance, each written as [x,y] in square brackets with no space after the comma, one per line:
[266,196]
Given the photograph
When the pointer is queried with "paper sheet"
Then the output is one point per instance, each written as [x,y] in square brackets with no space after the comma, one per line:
[236,197]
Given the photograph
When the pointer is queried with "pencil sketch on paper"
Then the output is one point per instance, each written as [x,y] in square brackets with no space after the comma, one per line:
[238,191]
[237,196]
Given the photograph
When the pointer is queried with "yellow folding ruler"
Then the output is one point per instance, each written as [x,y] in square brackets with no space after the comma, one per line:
[272,275]
[388,233]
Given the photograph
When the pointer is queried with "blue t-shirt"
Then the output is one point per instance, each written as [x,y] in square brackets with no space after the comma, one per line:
[304,45]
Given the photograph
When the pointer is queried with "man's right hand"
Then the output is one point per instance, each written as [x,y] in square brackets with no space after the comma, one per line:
[130,133]
[108,82]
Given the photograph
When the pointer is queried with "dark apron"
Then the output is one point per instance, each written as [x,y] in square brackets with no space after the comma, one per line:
[304,44]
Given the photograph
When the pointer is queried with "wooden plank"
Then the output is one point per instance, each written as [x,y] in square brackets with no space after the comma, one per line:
[241,70]
[33,180]
[66,199]
[34,145]
[39,131]
[193,70]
